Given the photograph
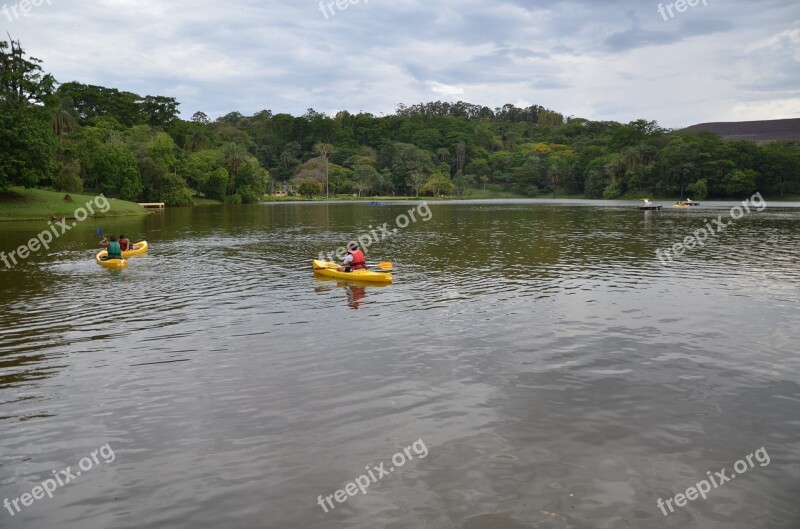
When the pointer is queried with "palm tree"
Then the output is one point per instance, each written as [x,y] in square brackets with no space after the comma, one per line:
[195,141]
[63,122]
[233,155]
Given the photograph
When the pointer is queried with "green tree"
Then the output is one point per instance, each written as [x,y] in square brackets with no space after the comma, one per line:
[27,148]
[325,150]
[365,177]
[410,165]
[197,167]
[698,189]
[216,187]
[460,183]
[740,182]
[309,189]
[27,142]
[438,183]
[117,171]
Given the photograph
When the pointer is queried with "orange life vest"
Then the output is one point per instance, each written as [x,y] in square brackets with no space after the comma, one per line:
[359,261]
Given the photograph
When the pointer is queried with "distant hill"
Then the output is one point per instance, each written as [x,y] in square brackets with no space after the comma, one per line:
[760,132]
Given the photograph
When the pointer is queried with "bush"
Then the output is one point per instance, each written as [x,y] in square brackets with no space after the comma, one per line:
[177,197]
[249,196]
[699,189]
[613,190]
[233,199]
[217,184]
[172,191]
[68,177]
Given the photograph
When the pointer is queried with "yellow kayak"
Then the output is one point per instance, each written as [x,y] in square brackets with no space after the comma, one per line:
[139,251]
[328,269]
[113,263]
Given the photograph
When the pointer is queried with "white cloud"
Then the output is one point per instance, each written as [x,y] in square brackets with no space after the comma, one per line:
[445,90]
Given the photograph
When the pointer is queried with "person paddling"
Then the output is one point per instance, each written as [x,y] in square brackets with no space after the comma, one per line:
[355,260]
[114,250]
[126,245]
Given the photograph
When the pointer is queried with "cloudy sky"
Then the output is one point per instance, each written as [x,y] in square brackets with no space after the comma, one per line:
[720,60]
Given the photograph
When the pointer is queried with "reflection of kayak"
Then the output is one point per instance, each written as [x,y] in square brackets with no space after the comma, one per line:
[112,263]
[329,269]
[324,282]
[140,251]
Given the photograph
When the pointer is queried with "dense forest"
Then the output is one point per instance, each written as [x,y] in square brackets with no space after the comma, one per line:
[73,136]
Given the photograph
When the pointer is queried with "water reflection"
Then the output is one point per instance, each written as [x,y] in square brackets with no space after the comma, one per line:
[355,291]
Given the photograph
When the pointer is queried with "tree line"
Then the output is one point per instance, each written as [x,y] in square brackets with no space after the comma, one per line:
[74,136]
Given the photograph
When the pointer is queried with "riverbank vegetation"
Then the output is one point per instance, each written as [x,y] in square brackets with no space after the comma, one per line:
[17,203]
[72,137]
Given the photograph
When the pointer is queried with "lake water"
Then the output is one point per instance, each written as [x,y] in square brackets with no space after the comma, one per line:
[544,366]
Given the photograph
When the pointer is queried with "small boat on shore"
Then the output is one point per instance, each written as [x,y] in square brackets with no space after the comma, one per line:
[649,206]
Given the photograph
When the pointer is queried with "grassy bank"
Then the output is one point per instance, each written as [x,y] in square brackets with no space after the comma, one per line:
[38,204]
[202,201]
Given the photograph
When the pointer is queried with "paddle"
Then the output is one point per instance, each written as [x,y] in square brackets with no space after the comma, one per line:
[383,265]
[100,233]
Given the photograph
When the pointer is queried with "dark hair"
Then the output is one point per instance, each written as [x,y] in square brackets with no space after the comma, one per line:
[352,246]
[122,237]
[113,238]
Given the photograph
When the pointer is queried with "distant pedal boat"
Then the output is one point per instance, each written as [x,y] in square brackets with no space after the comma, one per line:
[688,203]
[649,206]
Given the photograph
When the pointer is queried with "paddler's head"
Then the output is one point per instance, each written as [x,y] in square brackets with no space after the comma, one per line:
[352,246]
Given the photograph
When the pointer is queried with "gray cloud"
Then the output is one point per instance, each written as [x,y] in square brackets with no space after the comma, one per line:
[612,60]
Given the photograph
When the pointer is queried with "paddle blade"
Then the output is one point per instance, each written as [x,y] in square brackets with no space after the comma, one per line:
[99,231]
[386,265]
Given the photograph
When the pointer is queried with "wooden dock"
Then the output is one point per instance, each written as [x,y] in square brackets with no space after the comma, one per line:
[152,205]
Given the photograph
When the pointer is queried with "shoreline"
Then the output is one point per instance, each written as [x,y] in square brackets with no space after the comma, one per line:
[26,205]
